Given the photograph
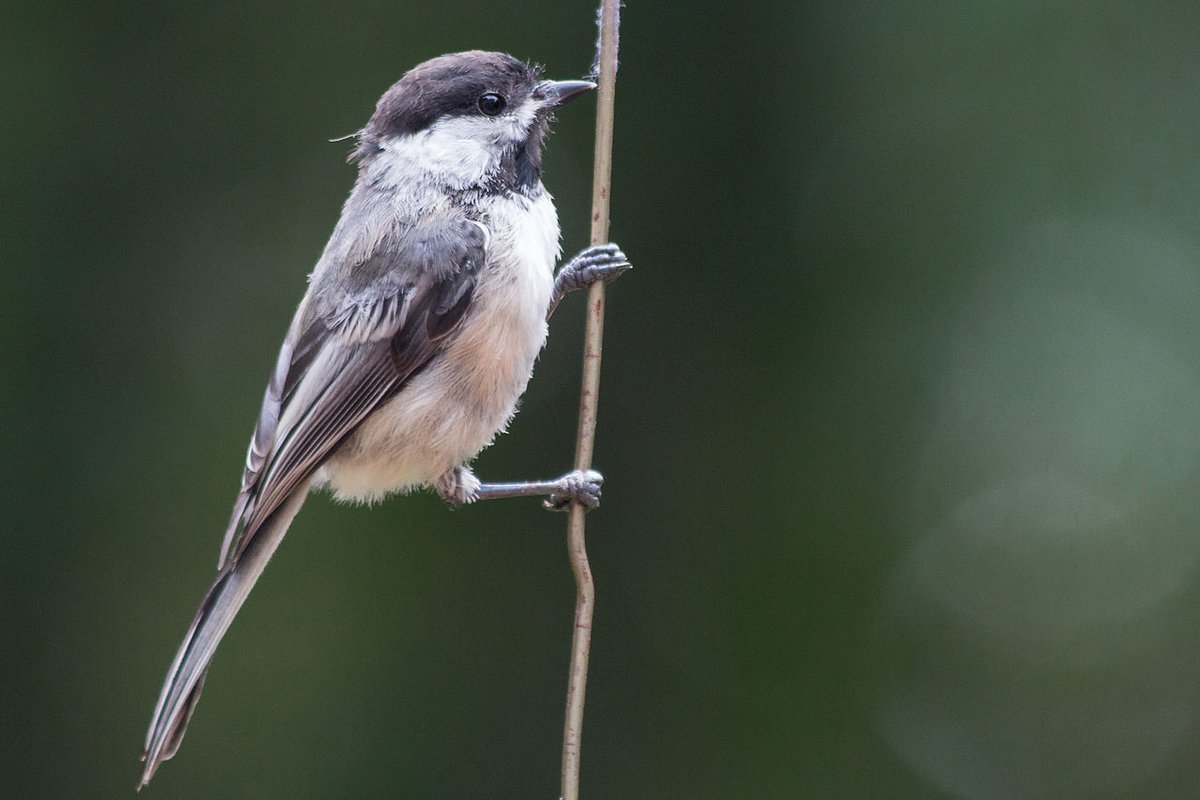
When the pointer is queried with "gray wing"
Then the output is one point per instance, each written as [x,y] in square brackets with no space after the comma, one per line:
[338,363]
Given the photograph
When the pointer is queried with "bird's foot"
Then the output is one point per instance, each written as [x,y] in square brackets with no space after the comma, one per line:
[579,485]
[602,262]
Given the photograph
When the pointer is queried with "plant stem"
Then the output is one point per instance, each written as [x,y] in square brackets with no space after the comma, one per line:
[585,592]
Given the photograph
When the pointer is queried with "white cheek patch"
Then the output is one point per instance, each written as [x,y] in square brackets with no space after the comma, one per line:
[460,159]
[494,132]
[461,150]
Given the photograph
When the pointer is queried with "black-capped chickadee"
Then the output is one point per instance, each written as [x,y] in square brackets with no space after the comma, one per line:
[417,334]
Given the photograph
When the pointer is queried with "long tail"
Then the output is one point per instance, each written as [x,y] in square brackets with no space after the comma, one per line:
[186,676]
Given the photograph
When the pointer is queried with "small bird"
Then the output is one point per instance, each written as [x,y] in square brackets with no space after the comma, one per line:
[417,334]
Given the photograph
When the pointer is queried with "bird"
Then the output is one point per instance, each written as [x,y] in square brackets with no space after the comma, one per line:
[417,333]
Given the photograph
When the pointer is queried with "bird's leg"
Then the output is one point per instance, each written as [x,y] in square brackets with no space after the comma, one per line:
[460,486]
[603,262]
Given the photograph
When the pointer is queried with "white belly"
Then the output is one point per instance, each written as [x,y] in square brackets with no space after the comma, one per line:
[467,395]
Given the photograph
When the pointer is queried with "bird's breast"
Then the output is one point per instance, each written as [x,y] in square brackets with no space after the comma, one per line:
[455,407]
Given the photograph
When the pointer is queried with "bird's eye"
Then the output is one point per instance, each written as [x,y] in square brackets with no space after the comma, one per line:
[491,104]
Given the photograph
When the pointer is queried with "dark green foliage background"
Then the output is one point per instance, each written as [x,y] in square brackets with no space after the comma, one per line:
[899,410]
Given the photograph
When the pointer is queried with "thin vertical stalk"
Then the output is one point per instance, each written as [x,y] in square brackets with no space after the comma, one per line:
[585,592]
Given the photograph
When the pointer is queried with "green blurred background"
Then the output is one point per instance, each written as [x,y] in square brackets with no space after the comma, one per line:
[900,410]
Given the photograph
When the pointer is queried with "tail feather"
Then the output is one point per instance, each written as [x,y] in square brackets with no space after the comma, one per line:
[179,694]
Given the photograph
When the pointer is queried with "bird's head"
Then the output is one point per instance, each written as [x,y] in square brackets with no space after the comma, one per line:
[464,120]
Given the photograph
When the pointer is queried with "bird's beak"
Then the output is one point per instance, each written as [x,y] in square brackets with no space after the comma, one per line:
[556,93]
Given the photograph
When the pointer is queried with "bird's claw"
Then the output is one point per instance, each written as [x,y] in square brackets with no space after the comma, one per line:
[580,485]
[602,262]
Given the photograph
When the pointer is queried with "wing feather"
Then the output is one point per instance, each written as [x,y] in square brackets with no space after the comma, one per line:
[335,368]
